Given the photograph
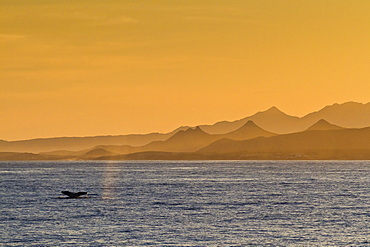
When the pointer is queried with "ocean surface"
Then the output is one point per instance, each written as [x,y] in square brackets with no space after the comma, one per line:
[215,203]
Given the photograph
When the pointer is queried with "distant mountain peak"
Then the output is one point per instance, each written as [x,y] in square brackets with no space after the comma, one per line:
[250,123]
[197,129]
[273,108]
[189,133]
[270,113]
[322,121]
[322,124]
[345,104]
[247,131]
[273,111]
[98,152]
[352,103]
[251,126]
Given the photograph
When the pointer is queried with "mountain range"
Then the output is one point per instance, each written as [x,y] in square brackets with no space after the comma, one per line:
[348,115]
[340,131]
[78,143]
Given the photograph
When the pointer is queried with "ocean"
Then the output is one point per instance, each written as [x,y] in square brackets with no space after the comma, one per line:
[186,203]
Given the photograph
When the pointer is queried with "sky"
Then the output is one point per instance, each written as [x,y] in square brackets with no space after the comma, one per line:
[85,68]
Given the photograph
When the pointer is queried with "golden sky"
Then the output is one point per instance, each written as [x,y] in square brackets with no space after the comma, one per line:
[78,68]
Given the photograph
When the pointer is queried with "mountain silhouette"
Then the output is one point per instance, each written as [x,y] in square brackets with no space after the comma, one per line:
[21,156]
[340,139]
[322,124]
[98,152]
[188,140]
[81,143]
[267,123]
[311,144]
[340,144]
[348,115]
[272,120]
[247,131]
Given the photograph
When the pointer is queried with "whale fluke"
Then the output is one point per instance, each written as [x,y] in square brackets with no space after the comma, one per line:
[74,195]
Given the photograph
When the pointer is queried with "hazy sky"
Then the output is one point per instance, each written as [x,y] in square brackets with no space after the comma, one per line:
[77,67]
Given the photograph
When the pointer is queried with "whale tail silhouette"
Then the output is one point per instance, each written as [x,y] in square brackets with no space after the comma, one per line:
[74,195]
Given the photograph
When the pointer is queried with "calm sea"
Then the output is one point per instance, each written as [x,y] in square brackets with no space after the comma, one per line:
[218,203]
